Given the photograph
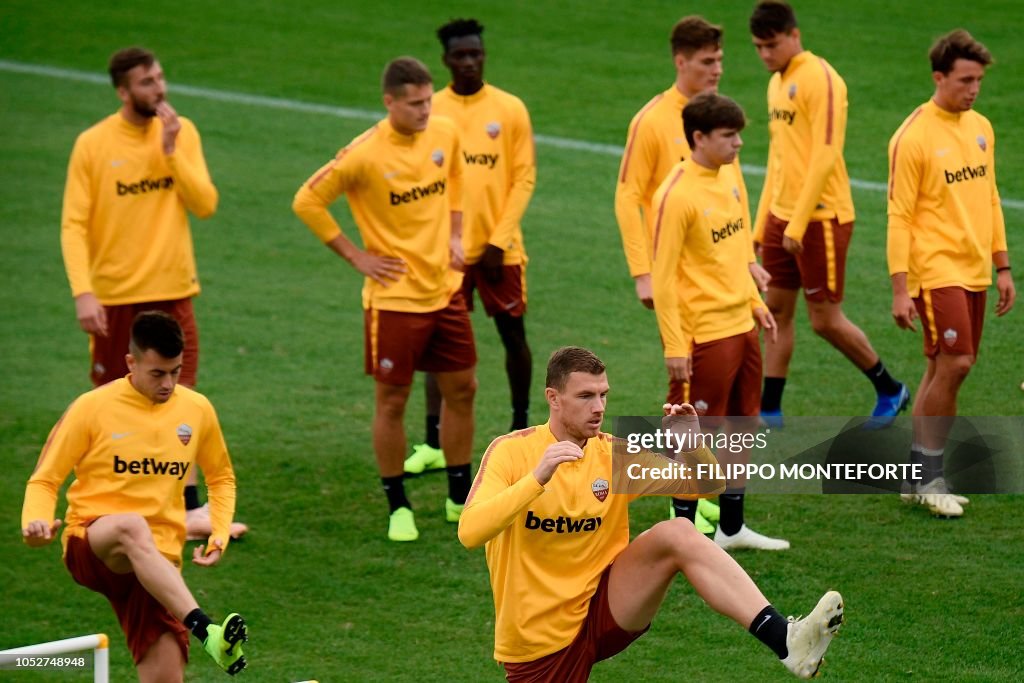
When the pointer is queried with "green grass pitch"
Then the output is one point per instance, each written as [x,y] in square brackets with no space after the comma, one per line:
[325,594]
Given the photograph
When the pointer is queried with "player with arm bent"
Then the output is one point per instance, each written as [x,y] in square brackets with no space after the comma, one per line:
[403,181]
[131,444]
[564,601]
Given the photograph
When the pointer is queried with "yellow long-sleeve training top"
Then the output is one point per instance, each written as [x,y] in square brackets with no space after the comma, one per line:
[500,171]
[132,455]
[702,243]
[546,546]
[945,219]
[654,144]
[401,190]
[806,178]
[124,229]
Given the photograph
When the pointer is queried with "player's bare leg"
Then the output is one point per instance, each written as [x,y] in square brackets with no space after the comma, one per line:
[389,429]
[125,544]
[778,352]
[163,662]
[642,573]
[457,421]
[829,323]
[458,390]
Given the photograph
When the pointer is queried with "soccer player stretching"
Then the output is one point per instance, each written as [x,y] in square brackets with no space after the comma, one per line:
[564,601]
[132,443]
[946,232]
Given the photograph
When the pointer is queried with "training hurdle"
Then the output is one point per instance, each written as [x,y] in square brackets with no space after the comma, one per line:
[97,642]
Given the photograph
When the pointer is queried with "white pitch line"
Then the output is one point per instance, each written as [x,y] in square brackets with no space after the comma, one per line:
[368,115]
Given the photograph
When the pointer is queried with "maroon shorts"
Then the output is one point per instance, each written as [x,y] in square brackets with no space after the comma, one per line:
[820,268]
[507,295]
[952,318]
[108,352]
[398,343]
[142,618]
[725,377]
[599,638]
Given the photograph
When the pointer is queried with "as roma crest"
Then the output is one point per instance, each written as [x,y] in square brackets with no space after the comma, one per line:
[184,434]
[950,336]
[600,489]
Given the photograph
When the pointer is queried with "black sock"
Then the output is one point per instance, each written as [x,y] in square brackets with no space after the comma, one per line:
[394,489]
[731,509]
[685,508]
[771,628]
[433,431]
[930,461]
[459,481]
[197,621]
[191,497]
[771,397]
[883,381]
[520,418]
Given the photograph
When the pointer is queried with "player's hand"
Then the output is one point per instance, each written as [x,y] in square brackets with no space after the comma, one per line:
[203,559]
[385,270]
[681,419]
[172,125]
[1007,292]
[555,455]
[903,311]
[644,292]
[678,368]
[492,263]
[791,245]
[758,251]
[766,321]
[92,317]
[456,253]
[761,276]
[39,533]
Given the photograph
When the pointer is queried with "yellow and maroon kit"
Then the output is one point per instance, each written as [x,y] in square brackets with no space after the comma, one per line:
[132,455]
[654,144]
[702,242]
[945,221]
[500,167]
[401,190]
[806,178]
[124,230]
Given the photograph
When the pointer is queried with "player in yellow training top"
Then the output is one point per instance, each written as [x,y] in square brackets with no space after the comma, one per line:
[569,587]
[946,232]
[654,144]
[403,182]
[708,321]
[131,444]
[500,173]
[805,216]
[132,180]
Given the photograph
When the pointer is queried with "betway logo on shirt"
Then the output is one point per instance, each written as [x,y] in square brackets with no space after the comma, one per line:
[966,173]
[560,524]
[415,194]
[729,229]
[488,160]
[781,115]
[151,466]
[145,185]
